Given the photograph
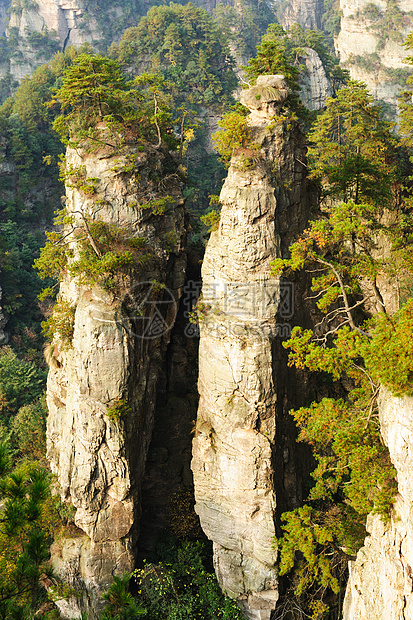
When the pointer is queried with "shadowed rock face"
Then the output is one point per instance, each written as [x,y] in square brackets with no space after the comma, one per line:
[307,13]
[116,355]
[381,579]
[234,446]
[4,5]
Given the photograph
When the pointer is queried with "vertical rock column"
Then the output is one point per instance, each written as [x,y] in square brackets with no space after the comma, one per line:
[114,360]
[233,448]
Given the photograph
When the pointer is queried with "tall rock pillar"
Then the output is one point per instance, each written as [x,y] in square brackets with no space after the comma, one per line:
[234,446]
[101,389]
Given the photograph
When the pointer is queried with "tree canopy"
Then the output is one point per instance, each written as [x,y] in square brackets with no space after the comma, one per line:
[353,148]
[185,45]
[354,157]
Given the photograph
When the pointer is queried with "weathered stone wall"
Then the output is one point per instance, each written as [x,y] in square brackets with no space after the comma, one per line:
[234,448]
[357,38]
[315,85]
[307,13]
[117,353]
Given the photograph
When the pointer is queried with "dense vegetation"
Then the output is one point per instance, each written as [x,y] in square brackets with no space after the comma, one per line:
[360,343]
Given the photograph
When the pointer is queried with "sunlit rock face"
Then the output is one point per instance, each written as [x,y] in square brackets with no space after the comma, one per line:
[381,578]
[314,83]
[234,448]
[119,342]
[372,53]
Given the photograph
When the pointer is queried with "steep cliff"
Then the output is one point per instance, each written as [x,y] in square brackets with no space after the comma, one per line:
[370,44]
[315,85]
[234,449]
[4,5]
[36,30]
[307,13]
[381,578]
[102,389]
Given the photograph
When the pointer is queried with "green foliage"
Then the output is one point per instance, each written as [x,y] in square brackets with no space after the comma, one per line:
[245,24]
[102,106]
[405,101]
[331,21]
[104,252]
[60,325]
[282,52]
[29,430]
[21,383]
[24,536]
[388,24]
[120,604]
[117,252]
[180,587]
[354,154]
[354,149]
[211,219]
[389,354]
[235,136]
[29,191]
[113,17]
[273,58]
[184,44]
[44,43]
[117,410]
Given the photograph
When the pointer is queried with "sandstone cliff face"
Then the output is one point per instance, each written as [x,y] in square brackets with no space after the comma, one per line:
[116,355]
[234,446]
[370,44]
[315,85]
[307,13]
[61,20]
[381,579]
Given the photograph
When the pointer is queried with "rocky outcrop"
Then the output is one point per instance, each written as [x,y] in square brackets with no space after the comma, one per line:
[54,21]
[4,5]
[101,391]
[315,85]
[307,13]
[234,448]
[381,578]
[370,44]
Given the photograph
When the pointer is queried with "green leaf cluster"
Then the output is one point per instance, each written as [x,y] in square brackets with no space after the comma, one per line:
[117,409]
[244,23]
[235,136]
[353,149]
[281,52]
[182,587]
[355,158]
[102,106]
[119,602]
[185,45]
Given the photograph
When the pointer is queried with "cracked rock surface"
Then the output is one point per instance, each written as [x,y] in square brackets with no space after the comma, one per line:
[234,444]
[99,461]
